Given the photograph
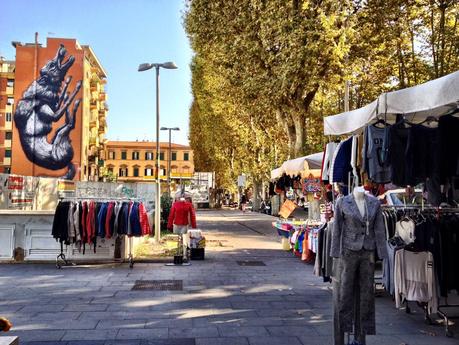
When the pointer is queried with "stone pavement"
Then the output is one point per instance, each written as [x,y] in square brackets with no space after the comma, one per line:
[222,303]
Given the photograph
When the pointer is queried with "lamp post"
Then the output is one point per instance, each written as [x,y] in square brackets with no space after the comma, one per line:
[170,129]
[145,67]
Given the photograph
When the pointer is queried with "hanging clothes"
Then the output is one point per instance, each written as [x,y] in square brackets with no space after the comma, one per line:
[327,161]
[341,165]
[378,170]
[414,278]
[398,143]
[60,230]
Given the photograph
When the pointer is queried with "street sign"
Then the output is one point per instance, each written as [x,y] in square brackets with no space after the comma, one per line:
[241,181]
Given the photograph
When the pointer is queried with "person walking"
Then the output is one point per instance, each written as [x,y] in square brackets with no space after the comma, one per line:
[181,216]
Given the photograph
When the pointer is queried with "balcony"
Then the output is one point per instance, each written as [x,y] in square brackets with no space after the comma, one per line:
[102,97]
[10,91]
[102,114]
[8,126]
[93,105]
[102,129]
[93,141]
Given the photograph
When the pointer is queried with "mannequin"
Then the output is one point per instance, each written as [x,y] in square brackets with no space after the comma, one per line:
[359,196]
[358,231]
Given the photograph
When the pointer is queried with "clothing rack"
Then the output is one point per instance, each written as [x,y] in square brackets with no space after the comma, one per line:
[61,256]
[441,307]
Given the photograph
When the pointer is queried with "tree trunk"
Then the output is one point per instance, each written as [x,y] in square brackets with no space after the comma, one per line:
[299,136]
[257,188]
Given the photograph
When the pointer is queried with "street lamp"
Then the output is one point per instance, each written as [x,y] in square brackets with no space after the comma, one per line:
[145,67]
[170,129]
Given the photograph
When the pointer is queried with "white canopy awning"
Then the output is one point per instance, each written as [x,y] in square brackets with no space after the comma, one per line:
[276,173]
[433,98]
[295,166]
[315,160]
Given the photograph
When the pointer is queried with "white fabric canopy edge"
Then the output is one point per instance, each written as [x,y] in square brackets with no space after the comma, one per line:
[433,98]
[295,166]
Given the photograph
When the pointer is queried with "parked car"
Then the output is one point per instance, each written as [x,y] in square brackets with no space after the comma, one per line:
[399,197]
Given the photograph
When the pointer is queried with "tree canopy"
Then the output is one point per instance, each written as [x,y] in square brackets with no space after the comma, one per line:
[266,72]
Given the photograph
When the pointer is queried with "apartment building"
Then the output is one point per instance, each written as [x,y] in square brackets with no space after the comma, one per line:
[71,142]
[134,161]
[6,113]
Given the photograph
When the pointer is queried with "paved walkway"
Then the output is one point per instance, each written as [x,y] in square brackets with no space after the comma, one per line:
[222,303]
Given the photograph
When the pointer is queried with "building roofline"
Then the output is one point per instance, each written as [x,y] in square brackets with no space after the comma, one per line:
[99,65]
[152,144]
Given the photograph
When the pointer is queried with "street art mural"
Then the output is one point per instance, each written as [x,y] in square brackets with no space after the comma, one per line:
[44,102]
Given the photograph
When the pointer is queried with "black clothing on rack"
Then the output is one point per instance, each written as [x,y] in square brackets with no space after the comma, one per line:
[60,228]
[398,142]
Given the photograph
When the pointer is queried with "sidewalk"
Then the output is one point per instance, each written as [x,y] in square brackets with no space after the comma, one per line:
[222,303]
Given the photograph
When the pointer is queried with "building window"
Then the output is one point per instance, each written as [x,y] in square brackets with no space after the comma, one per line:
[110,170]
[136,172]
[10,100]
[174,156]
[149,156]
[135,155]
[123,172]
[111,155]
[123,155]
[7,170]
[161,156]
[186,156]
[8,153]
[173,169]
[8,135]
[186,169]
[8,117]
[10,83]
[148,172]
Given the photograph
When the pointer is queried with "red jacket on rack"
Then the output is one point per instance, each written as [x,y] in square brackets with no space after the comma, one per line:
[182,213]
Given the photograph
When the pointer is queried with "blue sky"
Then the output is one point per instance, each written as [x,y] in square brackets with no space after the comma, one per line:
[123,34]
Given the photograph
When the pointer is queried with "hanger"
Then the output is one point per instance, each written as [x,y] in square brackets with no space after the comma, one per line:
[380,122]
[430,120]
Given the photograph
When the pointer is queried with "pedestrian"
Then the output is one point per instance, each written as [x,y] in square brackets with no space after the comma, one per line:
[181,216]
[243,202]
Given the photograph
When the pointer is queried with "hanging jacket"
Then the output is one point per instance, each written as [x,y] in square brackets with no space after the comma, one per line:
[60,224]
[83,217]
[182,213]
[143,216]
[101,220]
[134,220]
[108,220]
[90,223]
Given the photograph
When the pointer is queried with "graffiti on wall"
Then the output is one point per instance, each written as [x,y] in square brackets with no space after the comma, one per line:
[45,101]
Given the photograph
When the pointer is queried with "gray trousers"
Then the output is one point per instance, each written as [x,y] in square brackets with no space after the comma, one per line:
[357,274]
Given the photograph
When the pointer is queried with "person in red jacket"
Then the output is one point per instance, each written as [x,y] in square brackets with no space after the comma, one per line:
[181,215]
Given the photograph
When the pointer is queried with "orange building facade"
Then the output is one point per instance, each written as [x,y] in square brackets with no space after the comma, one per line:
[6,113]
[134,161]
[59,111]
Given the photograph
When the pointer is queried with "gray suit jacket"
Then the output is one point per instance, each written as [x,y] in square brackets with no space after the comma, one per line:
[350,227]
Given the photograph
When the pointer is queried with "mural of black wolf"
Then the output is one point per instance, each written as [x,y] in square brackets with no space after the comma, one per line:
[45,101]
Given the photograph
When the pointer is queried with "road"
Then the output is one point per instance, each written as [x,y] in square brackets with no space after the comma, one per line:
[222,302]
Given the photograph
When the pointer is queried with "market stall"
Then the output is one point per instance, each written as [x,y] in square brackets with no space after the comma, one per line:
[405,139]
